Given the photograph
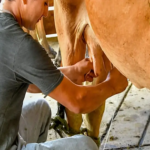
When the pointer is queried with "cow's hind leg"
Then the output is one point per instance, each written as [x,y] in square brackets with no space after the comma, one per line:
[92,122]
[74,122]
[101,68]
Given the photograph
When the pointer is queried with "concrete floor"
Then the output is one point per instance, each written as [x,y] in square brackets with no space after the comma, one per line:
[129,127]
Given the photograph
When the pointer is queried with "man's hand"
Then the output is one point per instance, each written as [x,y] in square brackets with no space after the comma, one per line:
[84,71]
[117,81]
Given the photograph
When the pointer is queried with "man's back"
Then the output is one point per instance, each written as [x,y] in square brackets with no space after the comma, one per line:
[22,61]
[10,89]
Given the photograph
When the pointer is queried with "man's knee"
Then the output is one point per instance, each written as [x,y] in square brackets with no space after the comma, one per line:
[35,104]
[43,105]
[35,114]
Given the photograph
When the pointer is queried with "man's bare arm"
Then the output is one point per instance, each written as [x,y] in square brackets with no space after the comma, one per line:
[84,99]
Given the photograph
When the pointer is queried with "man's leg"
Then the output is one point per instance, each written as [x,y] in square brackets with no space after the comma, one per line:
[77,142]
[34,124]
[35,120]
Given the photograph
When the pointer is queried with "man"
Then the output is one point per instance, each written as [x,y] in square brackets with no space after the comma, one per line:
[22,62]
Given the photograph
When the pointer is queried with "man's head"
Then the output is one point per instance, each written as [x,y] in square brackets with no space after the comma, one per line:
[32,11]
[27,12]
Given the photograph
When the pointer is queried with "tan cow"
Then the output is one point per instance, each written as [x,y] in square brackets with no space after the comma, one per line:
[74,34]
[123,30]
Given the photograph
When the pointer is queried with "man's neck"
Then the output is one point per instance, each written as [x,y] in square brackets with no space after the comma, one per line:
[9,7]
[6,11]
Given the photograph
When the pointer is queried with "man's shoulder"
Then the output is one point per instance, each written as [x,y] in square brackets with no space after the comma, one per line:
[7,20]
[12,33]
[10,30]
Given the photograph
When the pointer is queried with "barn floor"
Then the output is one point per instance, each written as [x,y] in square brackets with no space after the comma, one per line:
[125,123]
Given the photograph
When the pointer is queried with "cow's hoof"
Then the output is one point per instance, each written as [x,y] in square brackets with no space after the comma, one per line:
[97,141]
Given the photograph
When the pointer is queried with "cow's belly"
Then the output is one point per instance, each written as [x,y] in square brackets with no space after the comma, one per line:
[123,30]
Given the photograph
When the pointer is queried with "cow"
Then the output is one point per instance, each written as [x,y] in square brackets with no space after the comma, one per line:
[123,31]
[74,35]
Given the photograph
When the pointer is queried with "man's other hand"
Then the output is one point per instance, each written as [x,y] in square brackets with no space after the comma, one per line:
[84,71]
